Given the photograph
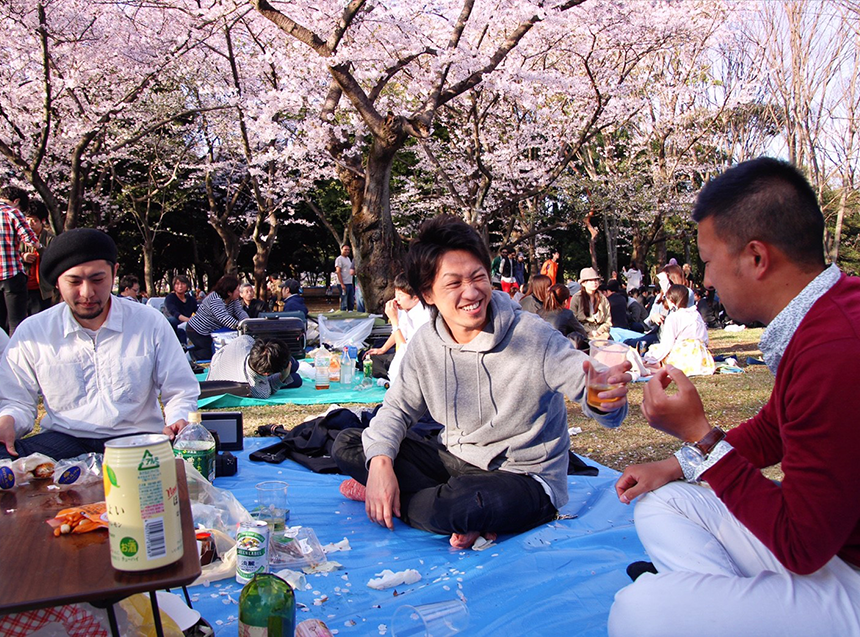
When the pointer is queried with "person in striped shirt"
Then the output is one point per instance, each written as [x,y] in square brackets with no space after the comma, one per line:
[221,308]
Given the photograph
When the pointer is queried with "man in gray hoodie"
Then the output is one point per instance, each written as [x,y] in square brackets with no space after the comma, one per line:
[494,376]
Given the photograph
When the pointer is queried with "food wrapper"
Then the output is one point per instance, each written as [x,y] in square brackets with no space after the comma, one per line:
[82,519]
[296,548]
[36,466]
[75,472]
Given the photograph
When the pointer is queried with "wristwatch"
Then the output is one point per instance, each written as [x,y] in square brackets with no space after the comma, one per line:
[697,457]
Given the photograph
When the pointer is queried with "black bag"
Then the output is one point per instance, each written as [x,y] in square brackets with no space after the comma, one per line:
[310,443]
[288,329]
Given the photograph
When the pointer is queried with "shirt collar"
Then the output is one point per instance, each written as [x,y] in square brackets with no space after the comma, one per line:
[112,323]
[777,335]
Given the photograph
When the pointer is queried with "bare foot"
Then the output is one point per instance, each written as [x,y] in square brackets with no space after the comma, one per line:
[353,489]
[466,540]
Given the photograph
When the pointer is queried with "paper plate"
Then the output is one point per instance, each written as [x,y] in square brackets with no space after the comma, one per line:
[178,611]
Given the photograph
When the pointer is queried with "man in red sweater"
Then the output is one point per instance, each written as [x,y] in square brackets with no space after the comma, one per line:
[749,556]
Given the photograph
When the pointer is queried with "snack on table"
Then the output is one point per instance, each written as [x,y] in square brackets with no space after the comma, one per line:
[37,466]
[82,519]
[22,470]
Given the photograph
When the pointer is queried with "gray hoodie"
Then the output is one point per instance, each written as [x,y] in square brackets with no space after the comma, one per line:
[499,396]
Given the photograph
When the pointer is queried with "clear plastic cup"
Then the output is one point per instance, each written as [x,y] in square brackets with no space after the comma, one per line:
[273,507]
[439,619]
[603,354]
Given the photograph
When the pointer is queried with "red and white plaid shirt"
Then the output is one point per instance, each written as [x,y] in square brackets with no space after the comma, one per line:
[13,230]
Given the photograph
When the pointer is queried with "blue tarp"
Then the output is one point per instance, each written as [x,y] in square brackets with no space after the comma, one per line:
[559,578]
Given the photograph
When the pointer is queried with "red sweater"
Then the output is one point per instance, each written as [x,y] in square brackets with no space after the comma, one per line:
[811,423]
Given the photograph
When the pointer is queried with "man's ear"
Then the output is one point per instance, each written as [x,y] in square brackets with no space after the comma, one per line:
[759,257]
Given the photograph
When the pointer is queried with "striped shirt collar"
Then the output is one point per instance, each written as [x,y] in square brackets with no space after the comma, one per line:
[777,335]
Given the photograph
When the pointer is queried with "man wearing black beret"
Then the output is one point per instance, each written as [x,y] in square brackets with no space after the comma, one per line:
[101,366]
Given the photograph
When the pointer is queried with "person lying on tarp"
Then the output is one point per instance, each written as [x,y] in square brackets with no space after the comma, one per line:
[494,377]
[265,364]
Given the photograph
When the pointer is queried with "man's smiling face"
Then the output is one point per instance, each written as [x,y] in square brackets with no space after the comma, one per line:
[461,292]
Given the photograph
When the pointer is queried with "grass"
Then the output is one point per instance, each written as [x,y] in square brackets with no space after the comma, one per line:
[729,399]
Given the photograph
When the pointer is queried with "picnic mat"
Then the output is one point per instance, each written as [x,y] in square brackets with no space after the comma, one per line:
[559,578]
[304,395]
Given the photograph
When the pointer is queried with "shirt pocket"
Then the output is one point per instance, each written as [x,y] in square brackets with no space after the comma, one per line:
[129,379]
[67,387]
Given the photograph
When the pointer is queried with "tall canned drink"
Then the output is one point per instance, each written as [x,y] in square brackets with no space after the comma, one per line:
[252,550]
[142,501]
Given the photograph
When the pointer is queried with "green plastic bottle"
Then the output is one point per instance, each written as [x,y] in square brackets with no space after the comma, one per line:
[267,608]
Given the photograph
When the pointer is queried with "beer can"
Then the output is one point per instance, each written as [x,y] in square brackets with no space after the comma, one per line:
[252,550]
[142,500]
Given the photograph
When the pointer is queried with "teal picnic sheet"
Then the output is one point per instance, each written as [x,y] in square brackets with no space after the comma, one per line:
[304,395]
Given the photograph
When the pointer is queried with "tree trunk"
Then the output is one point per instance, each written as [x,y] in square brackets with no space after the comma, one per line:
[840,216]
[261,264]
[592,239]
[377,248]
[231,249]
[610,229]
[148,262]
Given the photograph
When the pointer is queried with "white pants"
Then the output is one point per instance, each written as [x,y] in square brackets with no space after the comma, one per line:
[716,578]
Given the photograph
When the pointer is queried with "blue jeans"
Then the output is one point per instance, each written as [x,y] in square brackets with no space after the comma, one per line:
[347,297]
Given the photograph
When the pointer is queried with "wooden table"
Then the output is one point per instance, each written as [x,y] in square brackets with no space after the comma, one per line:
[40,570]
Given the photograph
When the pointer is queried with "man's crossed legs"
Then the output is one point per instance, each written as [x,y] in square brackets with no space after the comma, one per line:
[442,494]
[716,578]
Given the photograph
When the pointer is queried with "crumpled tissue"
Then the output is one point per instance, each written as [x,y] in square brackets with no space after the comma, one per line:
[389,579]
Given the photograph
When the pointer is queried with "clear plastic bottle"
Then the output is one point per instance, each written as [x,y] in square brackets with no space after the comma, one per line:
[196,445]
[347,368]
[322,360]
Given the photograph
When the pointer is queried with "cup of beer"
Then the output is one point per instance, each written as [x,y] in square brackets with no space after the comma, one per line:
[604,355]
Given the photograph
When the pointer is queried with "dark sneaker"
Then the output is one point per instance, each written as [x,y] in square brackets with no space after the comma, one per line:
[637,568]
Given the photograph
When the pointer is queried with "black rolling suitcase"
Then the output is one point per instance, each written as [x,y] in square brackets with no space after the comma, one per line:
[288,329]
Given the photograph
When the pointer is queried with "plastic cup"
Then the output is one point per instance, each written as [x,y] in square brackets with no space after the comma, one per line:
[273,509]
[604,354]
[430,620]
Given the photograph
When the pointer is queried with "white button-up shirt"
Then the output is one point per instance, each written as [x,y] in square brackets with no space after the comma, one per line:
[97,384]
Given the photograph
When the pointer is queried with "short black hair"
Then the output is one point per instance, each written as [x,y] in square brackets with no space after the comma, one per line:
[11,193]
[767,200]
[182,279]
[268,356]
[226,285]
[401,282]
[437,236]
[127,282]
[613,286]
[292,285]
[37,210]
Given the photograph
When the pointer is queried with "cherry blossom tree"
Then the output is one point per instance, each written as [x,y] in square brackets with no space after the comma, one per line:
[76,74]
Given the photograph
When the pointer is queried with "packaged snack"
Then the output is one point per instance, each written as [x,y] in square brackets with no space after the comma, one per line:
[10,475]
[82,519]
[36,466]
[84,469]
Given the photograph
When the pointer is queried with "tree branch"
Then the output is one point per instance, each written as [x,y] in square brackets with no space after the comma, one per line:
[291,27]
[343,24]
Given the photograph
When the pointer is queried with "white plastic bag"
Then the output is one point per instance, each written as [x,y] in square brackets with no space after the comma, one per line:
[218,511]
[337,333]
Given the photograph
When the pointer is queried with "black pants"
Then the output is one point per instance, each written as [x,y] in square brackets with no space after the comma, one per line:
[13,301]
[35,302]
[56,445]
[202,350]
[442,494]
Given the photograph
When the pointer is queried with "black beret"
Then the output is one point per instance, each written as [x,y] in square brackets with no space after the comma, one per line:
[74,247]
